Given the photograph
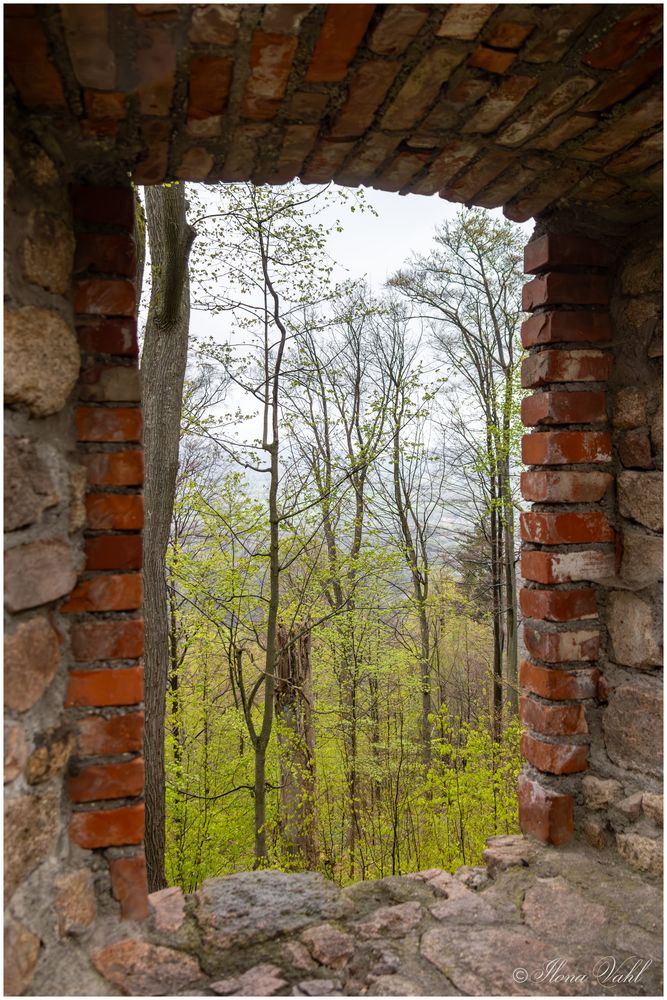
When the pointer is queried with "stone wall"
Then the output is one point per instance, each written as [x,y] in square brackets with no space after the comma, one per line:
[592,556]
[73,678]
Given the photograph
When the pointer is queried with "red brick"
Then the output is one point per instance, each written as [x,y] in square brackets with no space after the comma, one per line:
[99,737]
[491,60]
[105,688]
[465,20]
[114,468]
[561,407]
[97,782]
[111,512]
[107,640]
[552,720]
[422,87]
[565,447]
[400,23]
[271,58]
[29,64]
[95,423]
[104,206]
[545,486]
[569,567]
[108,253]
[508,34]
[106,593]
[109,383]
[486,169]
[114,552]
[104,297]
[554,758]
[343,28]
[500,104]
[209,83]
[368,88]
[456,155]
[558,605]
[565,366]
[569,528]
[545,814]
[623,84]
[110,336]
[108,827]
[562,647]
[624,38]
[634,449]
[130,886]
[558,685]
[110,105]
[558,288]
[326,161]
[555,252]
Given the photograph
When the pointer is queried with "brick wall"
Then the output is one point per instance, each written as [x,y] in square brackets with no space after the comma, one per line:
[73,635]
[592,556]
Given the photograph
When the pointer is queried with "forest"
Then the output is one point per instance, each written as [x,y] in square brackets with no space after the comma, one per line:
[330,555]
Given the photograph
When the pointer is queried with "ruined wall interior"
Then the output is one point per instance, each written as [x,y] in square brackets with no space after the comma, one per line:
[489,105]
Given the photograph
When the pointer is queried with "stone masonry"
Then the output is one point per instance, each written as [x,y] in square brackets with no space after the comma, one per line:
[552,112]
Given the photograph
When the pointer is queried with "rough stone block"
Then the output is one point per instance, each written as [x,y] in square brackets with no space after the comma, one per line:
[15,751]
[32,828]
[653,807]
[641,853]
[32,658]
[632,726]
[634,449]
[75,903]
[37,573]
[640,498]
[21,951]
[630,408]
[48,251]
[600,793]
[41,358]
[168,909]
[29,487]
[634,633]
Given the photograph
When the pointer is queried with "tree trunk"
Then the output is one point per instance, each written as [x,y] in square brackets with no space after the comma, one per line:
[293,694]
[163,365]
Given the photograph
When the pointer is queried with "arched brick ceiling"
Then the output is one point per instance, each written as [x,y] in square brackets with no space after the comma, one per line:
[518,105]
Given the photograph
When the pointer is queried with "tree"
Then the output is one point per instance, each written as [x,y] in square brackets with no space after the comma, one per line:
[163,363]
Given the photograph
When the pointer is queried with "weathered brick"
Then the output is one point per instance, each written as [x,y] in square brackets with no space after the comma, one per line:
[545,814]
[569,528]
[108,424]
[271,58]
[210,80]
[215,23]
[106,593]
[558,685]
[108,827]
[156,66]
[36,79]
[624,129]
[621,85]
[87,36]
[552,720]
[560,407]
[568,567]
[564,327]
[99,737]
[196,164]
[97,782]
[450,105]
[130,886]
[565,447]
[485,170]
[31,661]
[368,88]
[107,640]
[465,20]
[400,23]
[109,336]
[104,206]
[556,252]
[343,28]
[114,468]
[104,297]
[558,26]
[297,144]
[105,688]
[565,366]
[285,18]
[554,758]
[422,86]
[456,155]
[491,60]
[562,647]
[559,288]
[113,512]
[558,605]
[107,253]
[546,486]
[638,158]
[105,105]
[507,34]
[100,383]
[326,160]
[398,174]
[114,552]
[37,573]
[624,38]
[500,104]
[556,102]
[564,128]
[634,449]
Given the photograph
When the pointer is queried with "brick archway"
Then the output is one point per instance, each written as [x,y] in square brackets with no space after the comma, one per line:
[552,113]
